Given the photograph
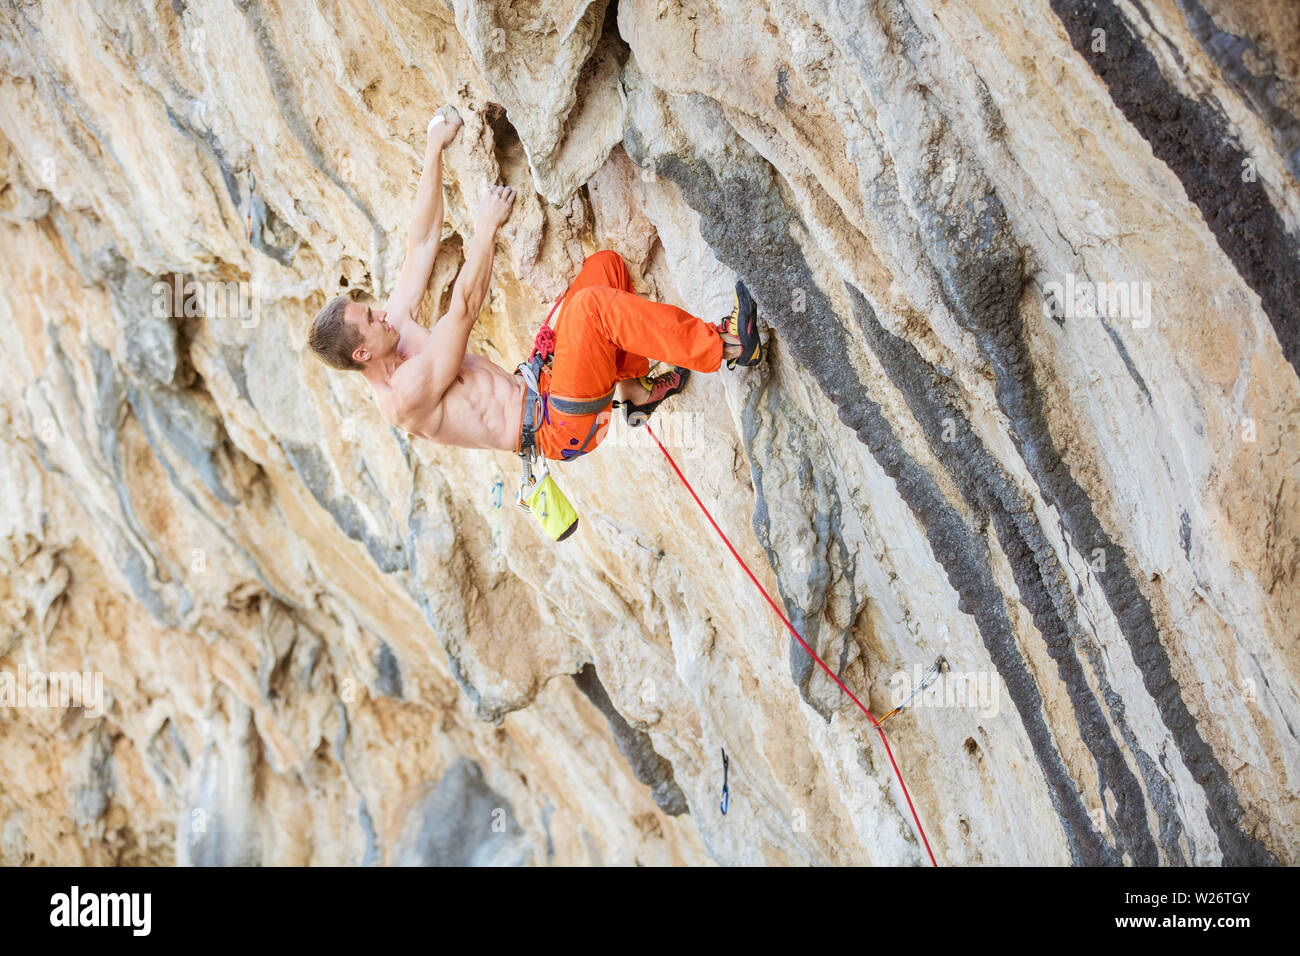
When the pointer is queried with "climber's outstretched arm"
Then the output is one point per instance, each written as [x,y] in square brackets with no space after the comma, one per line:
[421,381]
[426,227]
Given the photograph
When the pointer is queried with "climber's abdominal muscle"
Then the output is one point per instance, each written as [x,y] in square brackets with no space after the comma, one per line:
[481,408]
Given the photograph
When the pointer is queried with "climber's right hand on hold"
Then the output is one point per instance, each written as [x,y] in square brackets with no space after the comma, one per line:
[495,208]
[444,127]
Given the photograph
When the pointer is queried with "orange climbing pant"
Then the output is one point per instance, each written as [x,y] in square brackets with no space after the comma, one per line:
[604,334]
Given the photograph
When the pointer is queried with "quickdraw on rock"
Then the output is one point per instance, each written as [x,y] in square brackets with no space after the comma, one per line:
[726,791]
[495,498]
[926,680]
[248,218]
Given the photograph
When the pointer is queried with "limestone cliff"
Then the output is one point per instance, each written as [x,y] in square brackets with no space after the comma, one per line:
[310,652]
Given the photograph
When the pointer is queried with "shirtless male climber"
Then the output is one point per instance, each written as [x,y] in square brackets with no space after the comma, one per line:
[426,383]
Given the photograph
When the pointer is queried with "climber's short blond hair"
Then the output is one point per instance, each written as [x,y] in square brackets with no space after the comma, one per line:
[332,339]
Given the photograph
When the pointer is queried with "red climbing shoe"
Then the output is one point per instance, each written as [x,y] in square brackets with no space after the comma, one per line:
[661,386]
[743,323]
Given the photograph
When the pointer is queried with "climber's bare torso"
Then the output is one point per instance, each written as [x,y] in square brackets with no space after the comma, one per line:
[481,408]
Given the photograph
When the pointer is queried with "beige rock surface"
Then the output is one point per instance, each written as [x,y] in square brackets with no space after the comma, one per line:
[309,652]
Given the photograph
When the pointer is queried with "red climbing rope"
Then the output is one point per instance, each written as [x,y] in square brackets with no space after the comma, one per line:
[875,723]
[544,341]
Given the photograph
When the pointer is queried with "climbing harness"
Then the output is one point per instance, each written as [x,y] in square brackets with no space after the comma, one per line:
[726,792]
[543,497]
[875,723]
[538,358]
[926,680]
[495,498]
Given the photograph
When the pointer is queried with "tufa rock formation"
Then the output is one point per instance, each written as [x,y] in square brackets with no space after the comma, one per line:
[1030,275]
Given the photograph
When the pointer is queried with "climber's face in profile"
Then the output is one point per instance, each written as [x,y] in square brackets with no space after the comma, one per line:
[378,338]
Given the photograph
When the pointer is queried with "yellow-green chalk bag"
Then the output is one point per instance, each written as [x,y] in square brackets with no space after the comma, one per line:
[553,510]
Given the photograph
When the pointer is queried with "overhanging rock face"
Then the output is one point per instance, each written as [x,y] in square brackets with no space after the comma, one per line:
[1031,277]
